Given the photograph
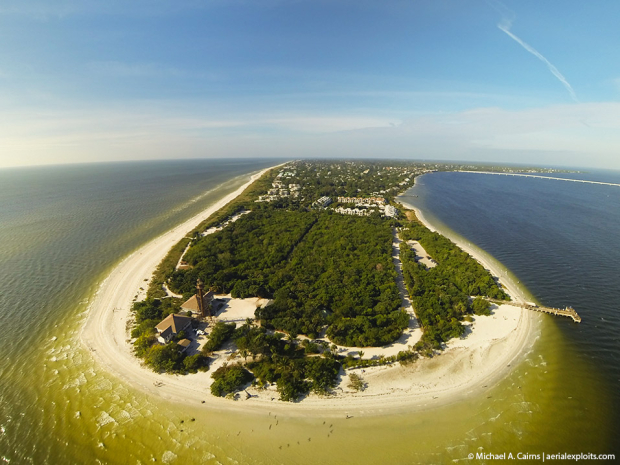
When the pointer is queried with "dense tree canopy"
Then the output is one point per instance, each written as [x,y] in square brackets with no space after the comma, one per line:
[441,295]
[229,379]
[319,268]
[326,273]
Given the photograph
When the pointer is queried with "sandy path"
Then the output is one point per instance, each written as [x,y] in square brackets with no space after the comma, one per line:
[465,367]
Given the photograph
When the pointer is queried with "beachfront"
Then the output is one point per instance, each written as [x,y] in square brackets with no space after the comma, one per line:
[483,357]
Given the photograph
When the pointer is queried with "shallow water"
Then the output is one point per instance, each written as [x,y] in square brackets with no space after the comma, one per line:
[64,228]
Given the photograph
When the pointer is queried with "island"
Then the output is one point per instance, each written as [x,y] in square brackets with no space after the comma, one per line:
[311,284]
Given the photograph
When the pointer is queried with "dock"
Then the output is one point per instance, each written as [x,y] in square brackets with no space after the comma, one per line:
[568,311]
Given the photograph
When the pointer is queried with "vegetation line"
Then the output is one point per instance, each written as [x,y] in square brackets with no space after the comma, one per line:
[317,241]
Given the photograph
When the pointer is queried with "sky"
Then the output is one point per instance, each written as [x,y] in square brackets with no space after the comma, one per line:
[523,81]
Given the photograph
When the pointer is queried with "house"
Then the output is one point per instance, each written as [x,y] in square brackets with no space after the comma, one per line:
[184,344]
[172,325]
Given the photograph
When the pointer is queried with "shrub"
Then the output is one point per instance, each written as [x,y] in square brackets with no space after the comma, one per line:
[196,362]
[291,385]
[481,306]
[229,378]
[220,333]
[144,328]
[323,373]
[406,357]
[143,344]
[356,382]
[155,309]
[166,358]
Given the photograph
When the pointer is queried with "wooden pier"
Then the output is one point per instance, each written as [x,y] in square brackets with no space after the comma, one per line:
[568,311]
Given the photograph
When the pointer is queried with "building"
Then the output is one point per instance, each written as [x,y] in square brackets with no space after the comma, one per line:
[353,211]
[323,202]
[172,325]
[362,200]
[391,211]
[184,344]
[199,303]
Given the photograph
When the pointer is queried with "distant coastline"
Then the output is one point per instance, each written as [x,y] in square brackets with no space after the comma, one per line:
[462,369]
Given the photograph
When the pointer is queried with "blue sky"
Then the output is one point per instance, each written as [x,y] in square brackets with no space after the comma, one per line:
[528,81]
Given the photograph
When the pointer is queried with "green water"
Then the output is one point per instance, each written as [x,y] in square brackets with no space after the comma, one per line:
[528,411]
[58,406]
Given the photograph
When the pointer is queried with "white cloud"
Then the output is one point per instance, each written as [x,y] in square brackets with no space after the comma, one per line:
[122,69]
[577,134]
[508,16]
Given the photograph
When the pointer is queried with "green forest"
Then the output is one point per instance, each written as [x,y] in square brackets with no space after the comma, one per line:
[327,275]
[320,269]
[441,295]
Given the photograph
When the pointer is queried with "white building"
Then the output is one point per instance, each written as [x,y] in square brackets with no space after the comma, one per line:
[390,211]
[323,202]
[362,200]
[353,211]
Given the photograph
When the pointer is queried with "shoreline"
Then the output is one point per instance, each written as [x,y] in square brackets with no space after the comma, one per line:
[466,365]
[486,260]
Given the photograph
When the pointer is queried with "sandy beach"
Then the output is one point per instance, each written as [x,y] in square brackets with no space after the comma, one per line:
[479,360]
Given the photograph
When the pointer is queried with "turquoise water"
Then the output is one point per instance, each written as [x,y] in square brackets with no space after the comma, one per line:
[62,229]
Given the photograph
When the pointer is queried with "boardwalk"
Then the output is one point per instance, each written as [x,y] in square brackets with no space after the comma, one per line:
[568,311]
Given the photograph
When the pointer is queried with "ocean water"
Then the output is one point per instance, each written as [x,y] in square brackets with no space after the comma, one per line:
[62,229]
[561,240]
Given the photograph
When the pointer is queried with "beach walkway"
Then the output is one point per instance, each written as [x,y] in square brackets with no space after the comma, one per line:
[568,311]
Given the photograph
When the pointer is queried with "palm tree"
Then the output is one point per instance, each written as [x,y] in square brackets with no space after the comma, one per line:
[360,354]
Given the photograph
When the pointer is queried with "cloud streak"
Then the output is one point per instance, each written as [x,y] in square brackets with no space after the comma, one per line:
[506,24]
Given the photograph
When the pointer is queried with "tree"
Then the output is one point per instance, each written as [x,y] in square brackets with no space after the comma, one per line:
[143,344]
[229,378]
[166,358]
[193,363]
[481,306]
[220,333]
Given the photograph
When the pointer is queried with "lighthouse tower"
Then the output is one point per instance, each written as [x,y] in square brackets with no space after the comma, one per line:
[200,298]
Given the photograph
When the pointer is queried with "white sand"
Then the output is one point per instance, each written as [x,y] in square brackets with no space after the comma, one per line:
[468,365]
[421,255]
[238,310]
